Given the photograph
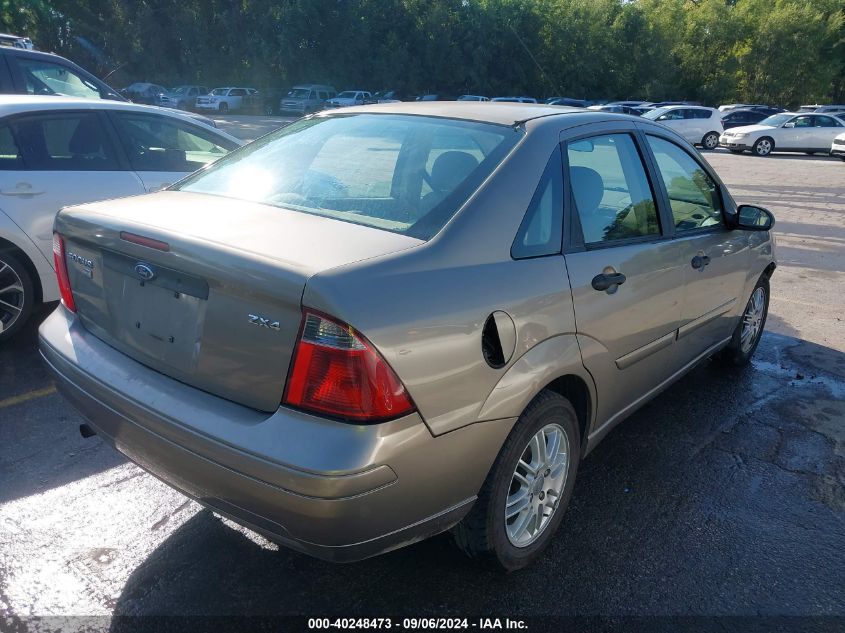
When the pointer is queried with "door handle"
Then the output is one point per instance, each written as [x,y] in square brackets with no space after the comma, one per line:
[19,192]
[605,281]
[700,261]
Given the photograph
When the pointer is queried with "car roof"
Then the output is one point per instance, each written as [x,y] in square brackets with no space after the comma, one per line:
[18,104]
[497,112]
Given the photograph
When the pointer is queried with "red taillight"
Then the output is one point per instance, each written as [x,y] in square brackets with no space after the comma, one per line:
[336,371]
[61,272]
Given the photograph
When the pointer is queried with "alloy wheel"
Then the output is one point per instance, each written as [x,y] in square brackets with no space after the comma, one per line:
[536,486]
[752,320]
[12,297]
[764,147]
[711,141]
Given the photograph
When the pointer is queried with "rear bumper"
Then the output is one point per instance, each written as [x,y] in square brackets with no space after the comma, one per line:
[336,491]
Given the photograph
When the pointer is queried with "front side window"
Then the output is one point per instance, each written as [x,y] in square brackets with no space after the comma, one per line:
[693,195]
[46,78]
[611,190]
[157,143]
[406,174]
[65,142]
[237,92]
[541,230]
[803,121]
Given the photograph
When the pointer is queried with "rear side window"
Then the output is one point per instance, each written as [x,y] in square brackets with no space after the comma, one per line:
[65,142]
[400,173]
[47,78]
[157,143]
[693,195]
[611,190]
[541,230]
[10,154]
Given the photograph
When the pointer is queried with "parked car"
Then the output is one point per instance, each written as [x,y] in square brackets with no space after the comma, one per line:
[628,104]
[767,110]
[515,99]
[144,92]
[566,101]
[831,109]
[737,106]
[663,104]
[837,146]
[56,151]
[16,41]
[182,97]
[349,98]
[785,132]
[36,73]
[380,385]
[701,126]
[439,96]
[617,108]
[389,96]
[740,117]
[306,98]
[472,98]
[231,99]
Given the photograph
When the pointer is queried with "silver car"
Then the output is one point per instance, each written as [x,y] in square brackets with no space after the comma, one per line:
[383,323]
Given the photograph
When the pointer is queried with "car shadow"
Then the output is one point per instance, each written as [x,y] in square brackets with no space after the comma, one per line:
[39,431]
[692,506]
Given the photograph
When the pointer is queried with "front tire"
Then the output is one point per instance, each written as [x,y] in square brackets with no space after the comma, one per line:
[749,330]
[17,297]
[764,146]
[223,108]
[525,495]
[710,140]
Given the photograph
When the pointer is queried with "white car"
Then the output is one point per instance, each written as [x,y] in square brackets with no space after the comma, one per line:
[349,98]
[227,99]
[837,147]
[473,98]
[785,132]
[699,125]
[60,151]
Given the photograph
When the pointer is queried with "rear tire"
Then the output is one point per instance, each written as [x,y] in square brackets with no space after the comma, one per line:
[17,295]
[487,534]
[710,140]
[764,146]
[749,330]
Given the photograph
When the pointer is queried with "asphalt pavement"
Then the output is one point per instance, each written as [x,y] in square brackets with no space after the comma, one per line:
[723,497]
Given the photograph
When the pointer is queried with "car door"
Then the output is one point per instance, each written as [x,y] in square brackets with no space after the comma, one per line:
[625,274]
[163,149]
[797,133]
[825,129]
[714,257]
[67,158]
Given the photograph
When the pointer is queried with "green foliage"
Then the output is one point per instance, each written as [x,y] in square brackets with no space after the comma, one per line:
[776,51]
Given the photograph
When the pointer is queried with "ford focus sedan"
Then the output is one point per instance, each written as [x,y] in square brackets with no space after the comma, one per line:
[385,322]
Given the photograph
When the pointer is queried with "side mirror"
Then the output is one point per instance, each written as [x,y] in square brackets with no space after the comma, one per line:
[790,124]
[751,218]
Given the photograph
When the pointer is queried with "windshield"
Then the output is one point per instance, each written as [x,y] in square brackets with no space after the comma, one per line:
[653,114]
[180,90]
[299,93]
[776,120]
[346,95]
[220,92]
[400,173]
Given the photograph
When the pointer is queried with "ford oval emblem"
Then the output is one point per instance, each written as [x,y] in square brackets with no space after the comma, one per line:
[144,271]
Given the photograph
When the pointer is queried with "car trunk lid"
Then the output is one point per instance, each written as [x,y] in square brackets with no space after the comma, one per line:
[203,288]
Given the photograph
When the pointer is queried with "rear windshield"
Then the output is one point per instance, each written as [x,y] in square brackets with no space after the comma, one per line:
[401,173]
